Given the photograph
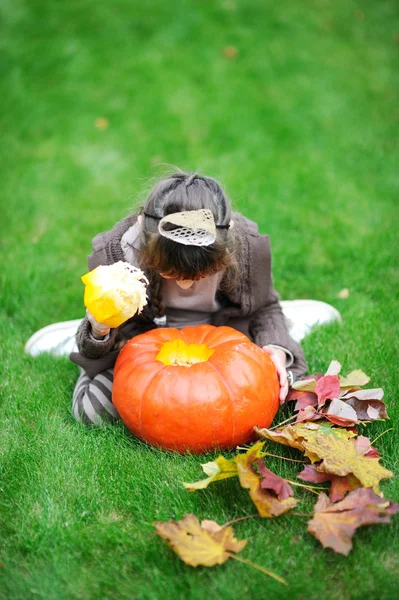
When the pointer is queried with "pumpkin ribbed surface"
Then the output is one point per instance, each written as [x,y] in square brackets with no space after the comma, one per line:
[217,387]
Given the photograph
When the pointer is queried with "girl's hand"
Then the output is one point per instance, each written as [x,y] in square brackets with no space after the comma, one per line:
[99,329]
[279,358]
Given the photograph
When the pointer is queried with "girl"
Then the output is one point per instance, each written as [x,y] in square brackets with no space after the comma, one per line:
[205,264]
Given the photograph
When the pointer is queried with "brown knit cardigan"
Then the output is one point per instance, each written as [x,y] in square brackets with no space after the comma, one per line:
[252,307]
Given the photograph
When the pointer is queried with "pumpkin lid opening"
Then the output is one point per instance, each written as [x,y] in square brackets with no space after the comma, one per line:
[178,353]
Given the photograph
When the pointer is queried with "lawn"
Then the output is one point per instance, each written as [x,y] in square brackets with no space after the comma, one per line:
[294,107]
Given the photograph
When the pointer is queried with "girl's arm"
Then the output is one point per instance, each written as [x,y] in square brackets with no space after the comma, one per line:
[268,327]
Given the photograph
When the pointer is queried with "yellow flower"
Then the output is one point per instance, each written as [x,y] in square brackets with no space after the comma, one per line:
[115,293]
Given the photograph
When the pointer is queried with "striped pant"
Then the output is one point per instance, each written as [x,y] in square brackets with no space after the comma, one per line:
[91,400]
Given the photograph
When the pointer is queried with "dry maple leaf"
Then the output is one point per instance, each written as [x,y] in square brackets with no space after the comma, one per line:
[342,457]
[347,402]
[327,388]
[296,435]
[339,485]
[206,543]
[363,446]
[340,413]
[367,404]
[196,544]
[230,52]
[271,481]
[354,379]
[268,504]
[335,524]
[221,468]
[101,123]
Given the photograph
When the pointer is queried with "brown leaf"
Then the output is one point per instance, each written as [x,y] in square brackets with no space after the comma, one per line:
[343,294]
[230,52]
[102,123]
[335,524]
[327,388]
[267,504]
[271,481]
[196,544]
[368,404]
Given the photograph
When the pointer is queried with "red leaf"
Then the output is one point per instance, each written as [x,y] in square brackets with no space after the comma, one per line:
[304,399]
[339,485]
[273,482]
[363,446]
[327,388]
[312,475]
[339,420]
[308,413]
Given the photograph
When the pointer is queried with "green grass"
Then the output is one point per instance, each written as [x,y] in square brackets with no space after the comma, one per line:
[302,129]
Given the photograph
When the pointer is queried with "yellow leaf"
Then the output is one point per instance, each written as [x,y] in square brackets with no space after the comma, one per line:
[305,385]
[354,379]
[196,544]
[221,468]
[101,123]
[341,457]
[296,435]
[268,505]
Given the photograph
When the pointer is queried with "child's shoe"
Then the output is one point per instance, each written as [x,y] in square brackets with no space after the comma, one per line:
[57,339]
[303,315]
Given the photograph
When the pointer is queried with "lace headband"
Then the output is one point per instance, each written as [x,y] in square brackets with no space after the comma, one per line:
[194,227]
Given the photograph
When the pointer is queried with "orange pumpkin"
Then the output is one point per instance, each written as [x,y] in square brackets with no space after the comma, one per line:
[195,389]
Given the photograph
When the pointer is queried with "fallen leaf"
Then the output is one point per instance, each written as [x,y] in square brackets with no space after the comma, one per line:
[363,446]
[312,475]
[340,456]
[305,385]
[199,544]
[334,368]
[367,404]
[296,435]
[339,408]
[327,388]
[271,481]
[354,379]
[267,504]
[303,399]
[343,294]
[102,123]
[334,524]
[339,485]
[230,52]
[221,468]
[308,413]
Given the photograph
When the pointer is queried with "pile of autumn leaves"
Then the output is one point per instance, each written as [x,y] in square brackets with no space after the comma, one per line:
[327,409]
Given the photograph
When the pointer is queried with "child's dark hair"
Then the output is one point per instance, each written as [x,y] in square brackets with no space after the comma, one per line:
[185,192]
